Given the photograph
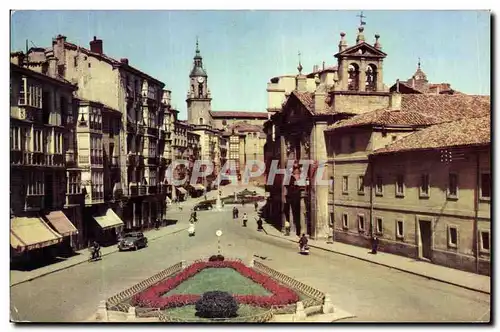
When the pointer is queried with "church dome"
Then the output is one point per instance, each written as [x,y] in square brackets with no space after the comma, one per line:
[198,71]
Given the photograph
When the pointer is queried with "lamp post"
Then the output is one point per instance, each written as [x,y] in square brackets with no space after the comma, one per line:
[219,234]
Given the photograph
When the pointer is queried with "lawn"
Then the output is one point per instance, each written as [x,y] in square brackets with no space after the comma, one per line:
[222,279]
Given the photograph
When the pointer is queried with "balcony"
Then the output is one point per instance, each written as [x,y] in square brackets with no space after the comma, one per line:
[162,188]
[132,160]
[152,189]
[74,199]
[140,130]
[96,161]
[142,190]
[54,160]
[34,203]
[16,158]
[34,159]
[131,127]
[163,162]
[152,131]
[162,134]
[152,161]
[83,160]
[140,160]
[133,189]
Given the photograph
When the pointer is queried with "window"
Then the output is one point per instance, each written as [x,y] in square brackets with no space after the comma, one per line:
[38,143]
[152,148]
[400,231]
[74,187]
[345,221]
[485,241]
[452,185]
[424,185]
[379,225]
[361,185]
[15,138]
[379,187]
[36,185]
[201,121]
[361,222]
[152,120]
[152,177]
[452,236]
[345,184]
[58,143]
[400,185]
[486,185]
[30,94]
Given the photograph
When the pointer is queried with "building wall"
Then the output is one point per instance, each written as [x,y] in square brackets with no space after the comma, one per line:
[219,122]
[356,103]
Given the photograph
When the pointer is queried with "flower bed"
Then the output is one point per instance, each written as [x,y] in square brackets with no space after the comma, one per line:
[151,297]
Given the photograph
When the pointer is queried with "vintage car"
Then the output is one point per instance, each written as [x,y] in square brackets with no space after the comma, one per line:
[133,241]
[203,206]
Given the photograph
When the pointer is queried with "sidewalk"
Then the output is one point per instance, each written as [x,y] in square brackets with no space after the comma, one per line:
[455,277]
[19,277]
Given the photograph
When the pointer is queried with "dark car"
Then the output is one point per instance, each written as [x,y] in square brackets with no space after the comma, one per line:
[203,206]
[133,241]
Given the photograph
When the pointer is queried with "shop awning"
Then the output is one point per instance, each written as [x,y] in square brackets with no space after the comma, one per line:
[199,186]
[61,223]
[109,220]
[27,233]
[182,190]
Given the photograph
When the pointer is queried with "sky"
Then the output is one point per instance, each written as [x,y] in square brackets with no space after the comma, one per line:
[243,50]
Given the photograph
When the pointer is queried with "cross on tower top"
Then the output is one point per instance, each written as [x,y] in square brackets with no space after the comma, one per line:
[361,17]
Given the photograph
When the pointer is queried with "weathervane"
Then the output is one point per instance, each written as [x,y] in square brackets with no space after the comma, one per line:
[361,17]
[300,65]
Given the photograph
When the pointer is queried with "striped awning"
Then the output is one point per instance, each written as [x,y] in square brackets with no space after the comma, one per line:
[109,220]
[182,190]
[27,233]
[61,223]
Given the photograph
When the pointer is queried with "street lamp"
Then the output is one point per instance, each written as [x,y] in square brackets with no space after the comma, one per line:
[219,234]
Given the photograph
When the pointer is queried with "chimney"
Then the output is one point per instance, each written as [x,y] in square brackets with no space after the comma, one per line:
[96,45]
[124,60]
[395,101]
[323,65]
[377,43]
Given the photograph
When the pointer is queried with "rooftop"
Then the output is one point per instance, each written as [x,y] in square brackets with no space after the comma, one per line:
[238,114]
[460,133]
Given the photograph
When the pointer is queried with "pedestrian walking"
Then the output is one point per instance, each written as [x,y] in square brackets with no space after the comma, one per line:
[234,212]
[256,205]
[259,224]
[287,228]
[245,219]
[374,244]
[157,224]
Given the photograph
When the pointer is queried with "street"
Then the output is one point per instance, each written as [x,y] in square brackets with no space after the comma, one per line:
[370,292]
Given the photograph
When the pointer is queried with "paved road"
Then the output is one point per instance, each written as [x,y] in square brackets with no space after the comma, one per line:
[371,292]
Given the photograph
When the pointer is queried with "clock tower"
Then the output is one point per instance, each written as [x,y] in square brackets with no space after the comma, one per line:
[198,97]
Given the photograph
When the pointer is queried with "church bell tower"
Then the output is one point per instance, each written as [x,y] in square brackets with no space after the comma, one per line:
[198,97]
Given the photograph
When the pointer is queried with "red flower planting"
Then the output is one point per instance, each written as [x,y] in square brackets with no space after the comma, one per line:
[151,297]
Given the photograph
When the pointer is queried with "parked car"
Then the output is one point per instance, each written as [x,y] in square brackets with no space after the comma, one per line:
[203,206]
[133,241]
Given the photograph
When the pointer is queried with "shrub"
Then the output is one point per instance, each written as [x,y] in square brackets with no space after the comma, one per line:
[216,304]
[220,258]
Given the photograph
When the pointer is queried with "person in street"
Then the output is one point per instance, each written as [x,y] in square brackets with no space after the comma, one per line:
[256,205]
[374,244]
[303,242]
[205,196]
[237,212]
[191,229]
[259,224]
[234,212]
[287,228]
[245,219]
[193,217]
[96,250]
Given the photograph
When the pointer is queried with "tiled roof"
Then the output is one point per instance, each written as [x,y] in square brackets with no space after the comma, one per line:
[306,98]
[238,114]
[243,127]
[447,107]
[464,132]
[385,118]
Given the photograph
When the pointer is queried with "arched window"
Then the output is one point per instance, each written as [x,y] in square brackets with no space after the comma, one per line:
[353,80]
[371,78]
[224,122]
[200,90]
[201,121]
